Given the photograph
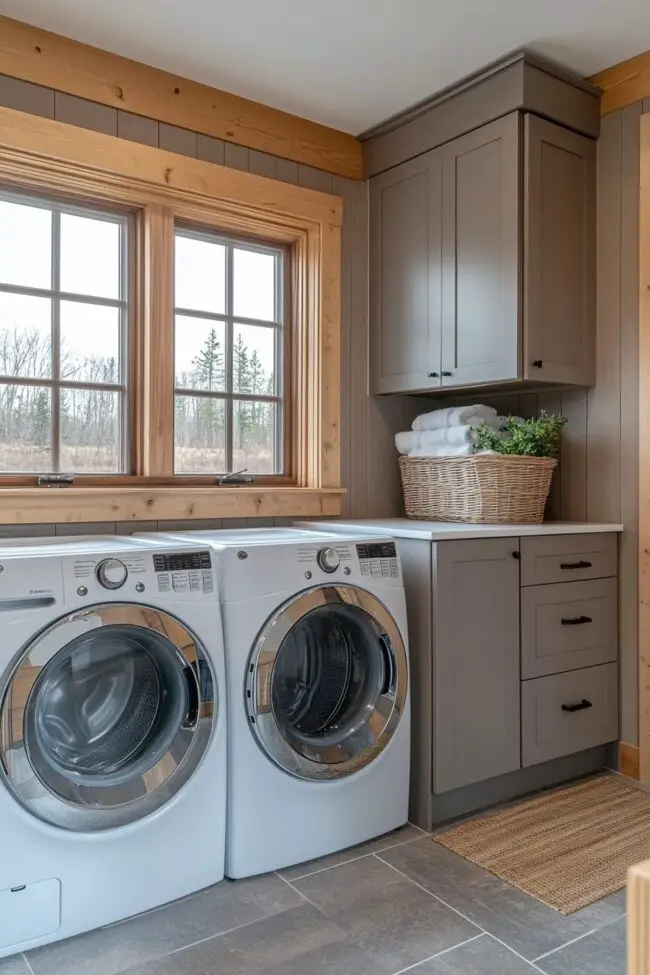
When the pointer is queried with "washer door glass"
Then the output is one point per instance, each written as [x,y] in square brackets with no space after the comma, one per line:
[327,682]
[106,715]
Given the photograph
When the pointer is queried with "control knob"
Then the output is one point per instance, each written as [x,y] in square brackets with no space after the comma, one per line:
[328,559]
[111,573]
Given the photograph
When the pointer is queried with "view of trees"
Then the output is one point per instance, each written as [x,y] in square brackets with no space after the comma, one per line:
[200,421]
[90,419]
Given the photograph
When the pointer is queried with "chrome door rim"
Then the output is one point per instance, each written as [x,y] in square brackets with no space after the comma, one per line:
[352,755]
[89,807]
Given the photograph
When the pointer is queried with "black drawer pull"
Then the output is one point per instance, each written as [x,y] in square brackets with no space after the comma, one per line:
[584,704]
[432,375]
[575,565]
[575,620]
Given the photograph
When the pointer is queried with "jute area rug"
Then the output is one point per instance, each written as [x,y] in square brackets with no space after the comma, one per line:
[568,847]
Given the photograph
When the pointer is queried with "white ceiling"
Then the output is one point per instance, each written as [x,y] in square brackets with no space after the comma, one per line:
[346,63]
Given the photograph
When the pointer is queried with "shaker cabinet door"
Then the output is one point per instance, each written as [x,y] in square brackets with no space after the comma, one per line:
[405,277]
[476,684]
[480,255]
[559,254]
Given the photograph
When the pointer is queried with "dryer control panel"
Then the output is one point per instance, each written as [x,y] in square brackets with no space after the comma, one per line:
[182,575]
[378,560]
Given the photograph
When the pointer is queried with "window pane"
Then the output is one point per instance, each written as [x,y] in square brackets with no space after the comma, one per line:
[90,342]
[253,285]
[253,437]
[25,336]
[90,431]
[253,361]
[25,245]
[25,429]
[200,275]
[90,256]
[200,435]
[199,353]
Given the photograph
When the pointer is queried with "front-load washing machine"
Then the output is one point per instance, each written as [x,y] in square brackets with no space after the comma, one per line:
[319,724]
[112,733]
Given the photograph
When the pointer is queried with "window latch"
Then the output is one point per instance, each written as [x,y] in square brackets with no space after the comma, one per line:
[55,480]
[235,478]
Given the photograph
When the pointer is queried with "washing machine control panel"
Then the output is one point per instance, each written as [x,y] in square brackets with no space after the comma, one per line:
[378,560]
[184,571]
[182,574]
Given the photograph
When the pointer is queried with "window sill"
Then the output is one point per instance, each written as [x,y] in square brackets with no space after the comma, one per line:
[94,504]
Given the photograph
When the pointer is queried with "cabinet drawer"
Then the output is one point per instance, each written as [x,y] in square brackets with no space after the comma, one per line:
[550,729]
[568,626]
[567,558]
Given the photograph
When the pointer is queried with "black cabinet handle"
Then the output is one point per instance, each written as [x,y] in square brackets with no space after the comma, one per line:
[516,555]
[538,363]
[432,375]
[446,373]
[575,620]
[584,704]
[575,565]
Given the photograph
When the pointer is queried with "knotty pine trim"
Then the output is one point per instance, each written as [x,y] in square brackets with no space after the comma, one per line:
[628,760]
[638,919]
[623,83]
[644,457]
[43,58]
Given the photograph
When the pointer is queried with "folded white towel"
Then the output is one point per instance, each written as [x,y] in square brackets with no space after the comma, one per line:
[442,450]
[411,440]
[463,450]
[455,416]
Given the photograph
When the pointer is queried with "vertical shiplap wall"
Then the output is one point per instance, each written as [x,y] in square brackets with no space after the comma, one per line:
[368,465]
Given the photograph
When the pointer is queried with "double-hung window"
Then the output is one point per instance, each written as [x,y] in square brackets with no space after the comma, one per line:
[229,355]
[64,337]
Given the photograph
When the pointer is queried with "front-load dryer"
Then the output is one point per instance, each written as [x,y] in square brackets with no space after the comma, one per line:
[112,733]
[316,651]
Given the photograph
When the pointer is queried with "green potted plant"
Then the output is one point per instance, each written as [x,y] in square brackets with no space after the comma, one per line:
[538,436]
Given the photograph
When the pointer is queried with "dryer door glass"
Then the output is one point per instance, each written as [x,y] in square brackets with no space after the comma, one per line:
[113,704]
[328,686]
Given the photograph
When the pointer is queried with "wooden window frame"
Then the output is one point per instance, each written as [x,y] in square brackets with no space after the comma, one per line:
[163,188]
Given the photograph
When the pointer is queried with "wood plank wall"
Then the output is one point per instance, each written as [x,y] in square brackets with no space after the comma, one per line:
[368,466]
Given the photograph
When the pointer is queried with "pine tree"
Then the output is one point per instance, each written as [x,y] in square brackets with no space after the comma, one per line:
[208,364]
[41,425]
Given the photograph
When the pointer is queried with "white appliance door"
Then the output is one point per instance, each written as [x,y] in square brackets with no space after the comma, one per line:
[105,716]
[327,682]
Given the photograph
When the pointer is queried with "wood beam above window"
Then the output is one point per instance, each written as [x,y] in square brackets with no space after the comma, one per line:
[48,59]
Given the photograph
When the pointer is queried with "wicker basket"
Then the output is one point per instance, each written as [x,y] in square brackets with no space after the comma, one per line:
[487,490]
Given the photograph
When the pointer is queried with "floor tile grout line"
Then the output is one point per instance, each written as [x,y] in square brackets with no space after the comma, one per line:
[431,894]
[460,913]
[361,856]
[581,937]
[28,963]
[513,951]
[438,954]
[481,932]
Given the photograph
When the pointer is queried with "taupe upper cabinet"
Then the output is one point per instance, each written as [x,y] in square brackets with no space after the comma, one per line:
[559,254]
[405,287]
[482,261]
[480,255]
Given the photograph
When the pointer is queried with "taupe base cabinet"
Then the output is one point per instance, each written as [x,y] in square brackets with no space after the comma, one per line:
[513,648]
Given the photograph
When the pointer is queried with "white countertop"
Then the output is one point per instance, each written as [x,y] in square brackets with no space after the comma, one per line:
[436,531]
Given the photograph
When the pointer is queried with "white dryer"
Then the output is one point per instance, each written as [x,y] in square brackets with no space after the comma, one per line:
[112,732]
[319,707]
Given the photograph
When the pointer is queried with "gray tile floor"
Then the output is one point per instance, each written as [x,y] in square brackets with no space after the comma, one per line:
[398,904]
